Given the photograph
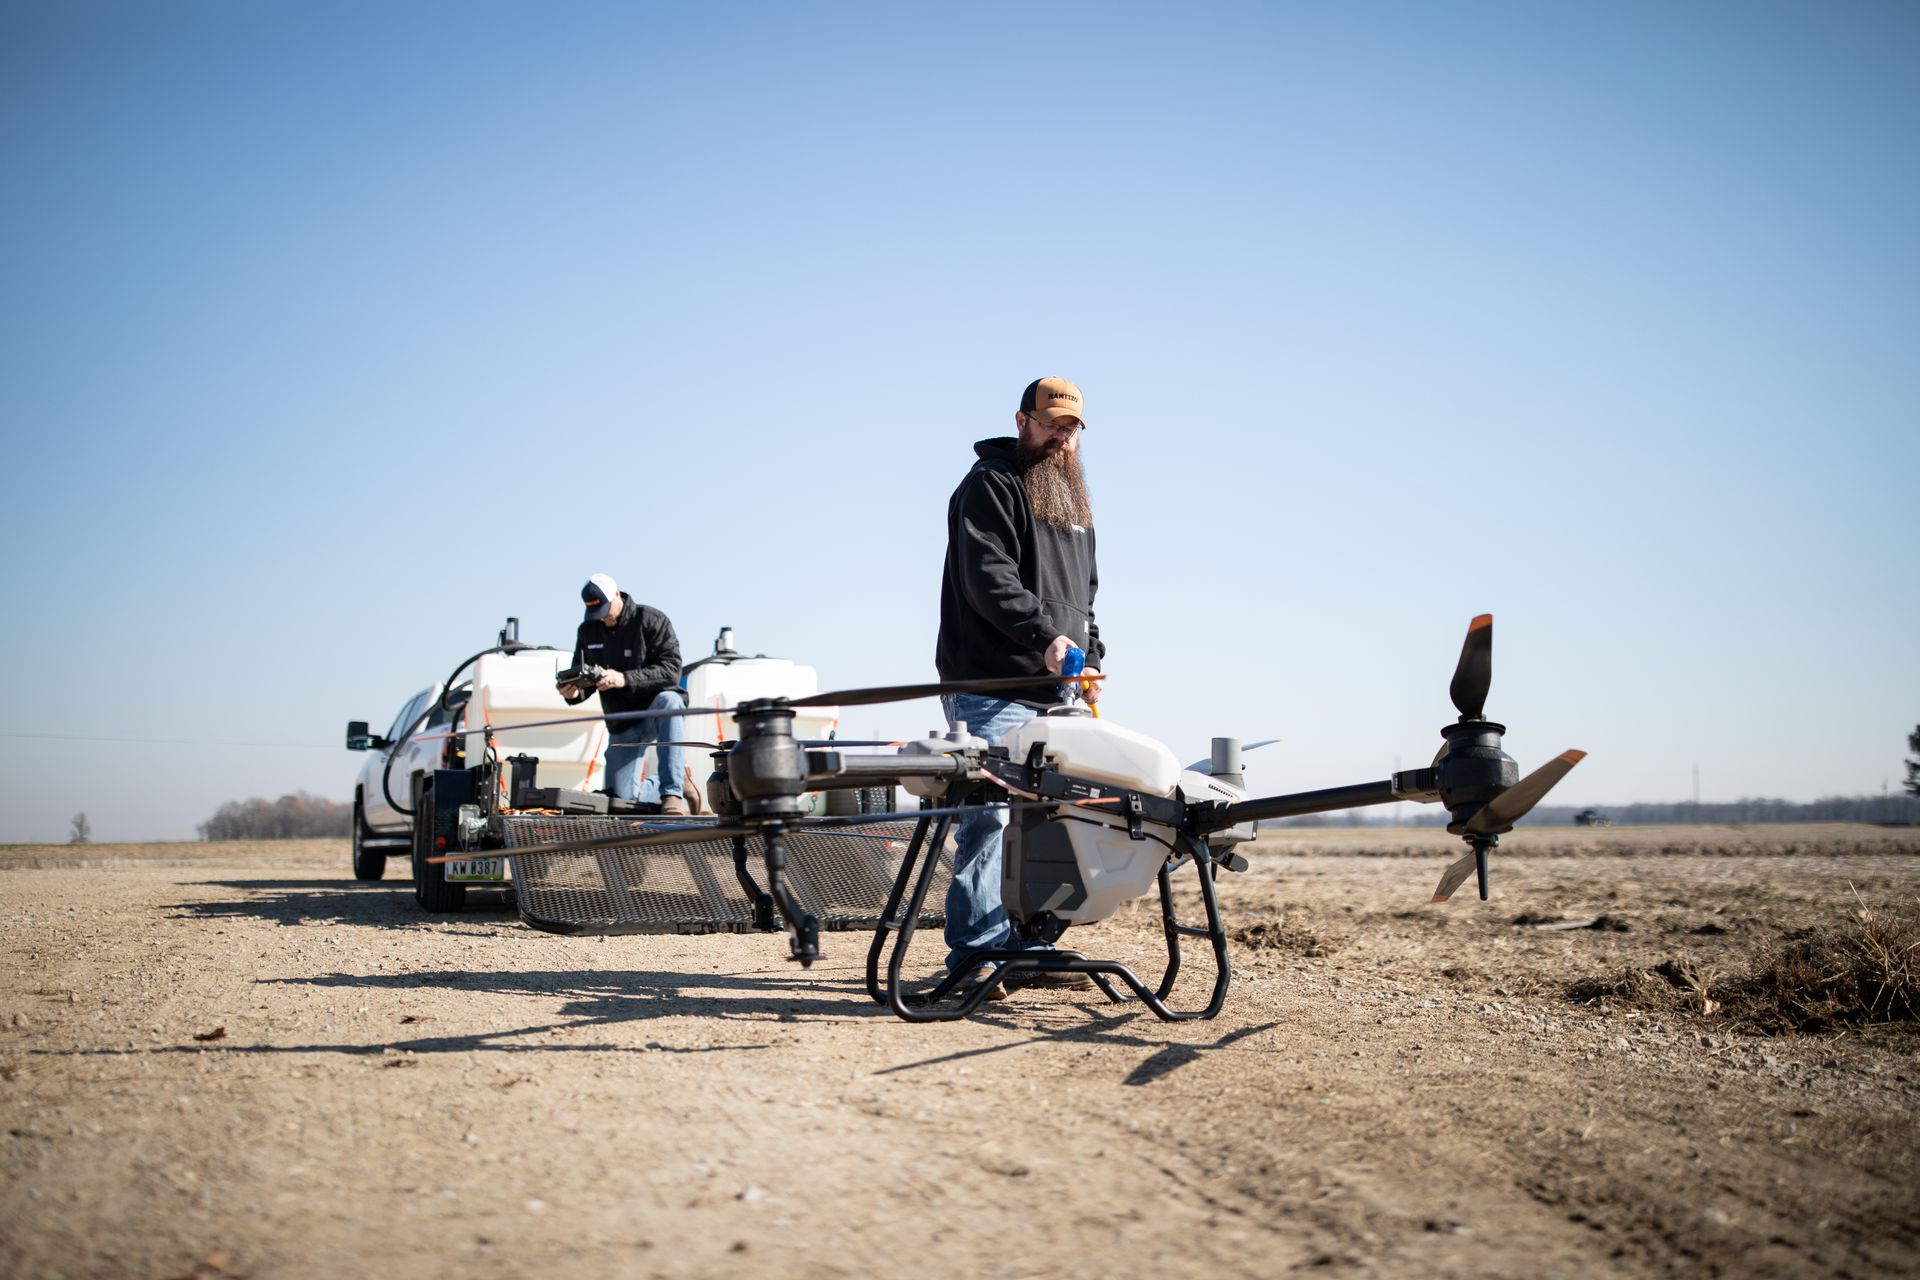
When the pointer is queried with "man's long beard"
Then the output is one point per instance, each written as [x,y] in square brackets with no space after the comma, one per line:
[1056,489]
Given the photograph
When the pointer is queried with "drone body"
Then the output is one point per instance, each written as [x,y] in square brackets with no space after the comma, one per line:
[1098,815]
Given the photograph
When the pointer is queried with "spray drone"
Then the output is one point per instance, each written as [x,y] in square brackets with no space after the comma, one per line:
[1097,815]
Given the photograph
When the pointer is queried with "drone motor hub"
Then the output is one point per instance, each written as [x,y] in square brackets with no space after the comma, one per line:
[767,772]
[1473,769]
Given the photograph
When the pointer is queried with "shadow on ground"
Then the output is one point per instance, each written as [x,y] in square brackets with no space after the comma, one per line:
[307,902]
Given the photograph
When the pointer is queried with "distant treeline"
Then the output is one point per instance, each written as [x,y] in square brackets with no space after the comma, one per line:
[295,817]
[1892,808]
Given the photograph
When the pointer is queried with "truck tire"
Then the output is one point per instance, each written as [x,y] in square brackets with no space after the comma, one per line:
[368,864]
[430,886]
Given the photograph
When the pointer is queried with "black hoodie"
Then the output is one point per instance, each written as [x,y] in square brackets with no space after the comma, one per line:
[641,646]
[1012,582]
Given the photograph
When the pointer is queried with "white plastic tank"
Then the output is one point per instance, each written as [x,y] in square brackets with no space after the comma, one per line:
[725,681]
[1100,750]
[517,688]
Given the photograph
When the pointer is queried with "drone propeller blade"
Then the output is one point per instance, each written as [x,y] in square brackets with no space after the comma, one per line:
[905,692]
[839,698]
[1473,676]
[1511,805]
[609,717]
[1456,873]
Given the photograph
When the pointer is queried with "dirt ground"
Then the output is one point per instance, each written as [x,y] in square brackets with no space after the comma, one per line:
[230,1060]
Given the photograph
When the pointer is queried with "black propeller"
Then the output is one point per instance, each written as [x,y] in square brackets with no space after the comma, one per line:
[1474,674]
[698,833]
[1513,804]
[904,692]
[1473,771]
[839,698]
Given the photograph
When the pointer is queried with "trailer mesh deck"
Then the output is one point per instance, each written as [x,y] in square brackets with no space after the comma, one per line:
[842,876]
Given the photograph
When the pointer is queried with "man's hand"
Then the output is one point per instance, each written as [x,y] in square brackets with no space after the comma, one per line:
[1056,658]
[612,680]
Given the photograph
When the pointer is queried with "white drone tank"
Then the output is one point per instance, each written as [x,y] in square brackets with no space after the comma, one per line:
[1112,867]
[1101,750]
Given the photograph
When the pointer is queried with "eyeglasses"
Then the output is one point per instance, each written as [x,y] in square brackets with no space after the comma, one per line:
[1066,426]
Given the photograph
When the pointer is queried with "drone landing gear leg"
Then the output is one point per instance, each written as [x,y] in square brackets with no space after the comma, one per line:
[802,929]
[902,920]
[760,900]
[1213,931]
[894,920]
[1012,964]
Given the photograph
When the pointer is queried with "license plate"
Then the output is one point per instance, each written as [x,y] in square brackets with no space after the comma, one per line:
[468,870]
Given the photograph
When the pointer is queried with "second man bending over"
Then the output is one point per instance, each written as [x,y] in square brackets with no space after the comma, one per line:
[640,654]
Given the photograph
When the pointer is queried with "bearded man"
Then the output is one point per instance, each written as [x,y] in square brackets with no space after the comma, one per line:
[1016,594]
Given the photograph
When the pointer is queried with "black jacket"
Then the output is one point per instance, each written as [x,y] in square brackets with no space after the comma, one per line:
[1012,583]
[641,646]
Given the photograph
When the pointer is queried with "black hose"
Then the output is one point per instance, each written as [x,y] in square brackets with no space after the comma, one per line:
[446,690]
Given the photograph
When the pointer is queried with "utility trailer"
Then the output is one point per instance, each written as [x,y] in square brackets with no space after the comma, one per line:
[504,778]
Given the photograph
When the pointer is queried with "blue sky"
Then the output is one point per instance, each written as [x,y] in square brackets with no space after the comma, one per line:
[334,334]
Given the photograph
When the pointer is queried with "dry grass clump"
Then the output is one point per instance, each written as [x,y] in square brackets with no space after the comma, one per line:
[1864,970]
[1669,986]
[1283,935]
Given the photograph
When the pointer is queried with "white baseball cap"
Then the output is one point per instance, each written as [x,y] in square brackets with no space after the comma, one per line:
[599,595]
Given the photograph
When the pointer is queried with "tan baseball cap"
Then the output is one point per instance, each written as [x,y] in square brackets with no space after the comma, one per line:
[1050,398]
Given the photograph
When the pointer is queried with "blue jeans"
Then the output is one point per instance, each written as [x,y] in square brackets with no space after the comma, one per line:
[628,742]
[976,918]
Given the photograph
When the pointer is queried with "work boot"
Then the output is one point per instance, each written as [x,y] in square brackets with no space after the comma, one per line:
[674,807]
[696,803]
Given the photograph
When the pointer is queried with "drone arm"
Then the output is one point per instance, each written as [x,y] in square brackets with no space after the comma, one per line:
[830,770]
[1414,784]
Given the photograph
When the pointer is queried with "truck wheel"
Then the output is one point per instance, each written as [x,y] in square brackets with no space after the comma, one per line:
[368,864]
[430,887]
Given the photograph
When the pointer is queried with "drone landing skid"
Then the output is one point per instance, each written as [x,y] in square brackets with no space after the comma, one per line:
[949,1001]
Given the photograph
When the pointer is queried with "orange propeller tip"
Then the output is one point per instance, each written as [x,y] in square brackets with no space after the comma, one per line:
[1480,623]
[1573,757]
